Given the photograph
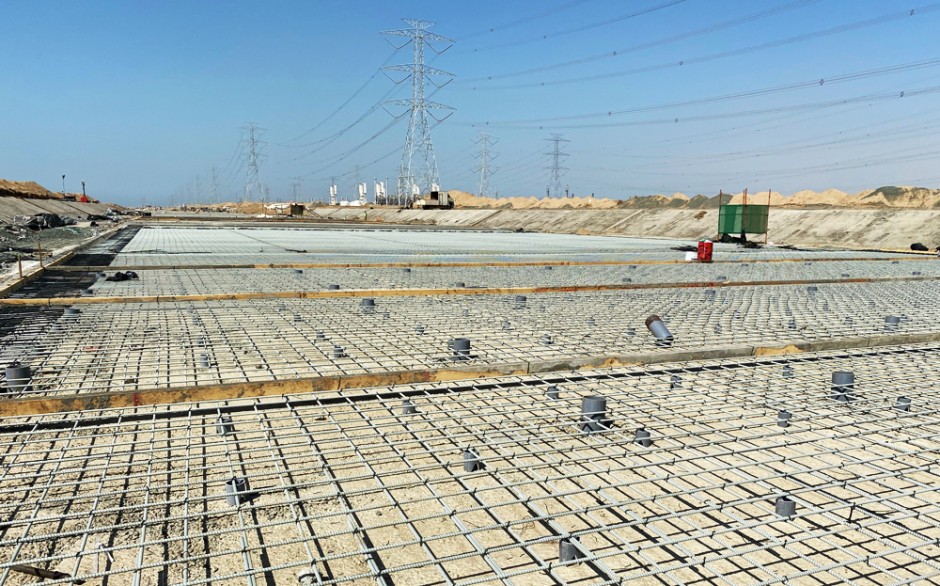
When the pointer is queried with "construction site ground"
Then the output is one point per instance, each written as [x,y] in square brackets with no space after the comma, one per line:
[362,404]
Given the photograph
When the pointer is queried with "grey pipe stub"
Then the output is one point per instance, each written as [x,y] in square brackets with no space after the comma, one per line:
[236,491]
[784,506]
[224,425]
[204,361]
[321,337]
[546,340]
[408,408]
[298,271]
[471,461]
[419,329]
[843,385]
[656,327]
[520,301]
[18,377]
[675,382]
[333,287]
[367,305]
[552,392]
[787,371]
[643,437]
[892,322]
[903,404]
[594,414]
[569,550]
[461,348]
[783,418]
[339,352]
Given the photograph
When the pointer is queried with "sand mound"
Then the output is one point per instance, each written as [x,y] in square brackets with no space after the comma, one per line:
[462,199]
[890,196]
[33,190]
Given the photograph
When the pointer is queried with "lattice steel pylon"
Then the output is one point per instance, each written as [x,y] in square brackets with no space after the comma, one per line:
[556,169]
[485,155]
[253,178]
[421,176]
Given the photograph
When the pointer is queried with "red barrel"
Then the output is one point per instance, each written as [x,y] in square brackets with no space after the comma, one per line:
[705,250]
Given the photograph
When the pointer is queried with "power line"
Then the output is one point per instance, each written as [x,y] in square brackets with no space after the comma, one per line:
[345,103]
[665,41]
[681,63]
[582,28]
[816,82]
[524,20]
[878,97]
[345,155]
[418,139]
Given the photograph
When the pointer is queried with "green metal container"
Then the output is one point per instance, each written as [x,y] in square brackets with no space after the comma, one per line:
[750,219]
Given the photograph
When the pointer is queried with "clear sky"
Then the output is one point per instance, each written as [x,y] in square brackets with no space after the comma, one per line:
[147,100]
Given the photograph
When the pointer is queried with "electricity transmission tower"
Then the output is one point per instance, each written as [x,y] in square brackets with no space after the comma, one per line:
[253,179]
[484,169]
[415,177]
[215,185]
[556,169]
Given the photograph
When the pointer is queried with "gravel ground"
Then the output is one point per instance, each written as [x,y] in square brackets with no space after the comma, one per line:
[27,242]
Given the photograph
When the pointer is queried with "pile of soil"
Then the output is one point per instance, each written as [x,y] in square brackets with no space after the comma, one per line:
[33,190]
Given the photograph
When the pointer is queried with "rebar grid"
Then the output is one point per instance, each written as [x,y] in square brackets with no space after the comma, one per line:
[155,246]
[240,280]
[348,485]
[110,347]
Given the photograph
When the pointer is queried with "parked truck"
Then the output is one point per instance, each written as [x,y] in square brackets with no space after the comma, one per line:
[436,200]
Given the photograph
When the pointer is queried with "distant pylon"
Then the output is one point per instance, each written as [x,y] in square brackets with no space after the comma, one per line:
[556,170]
[421,176]
[485,155]
[254,144]
[214,178]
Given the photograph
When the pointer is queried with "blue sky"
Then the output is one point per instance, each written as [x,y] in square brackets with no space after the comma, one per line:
[144,99]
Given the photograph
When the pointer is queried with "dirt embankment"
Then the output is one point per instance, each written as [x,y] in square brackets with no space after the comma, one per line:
[33,190]
[893,228]
[881,197]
